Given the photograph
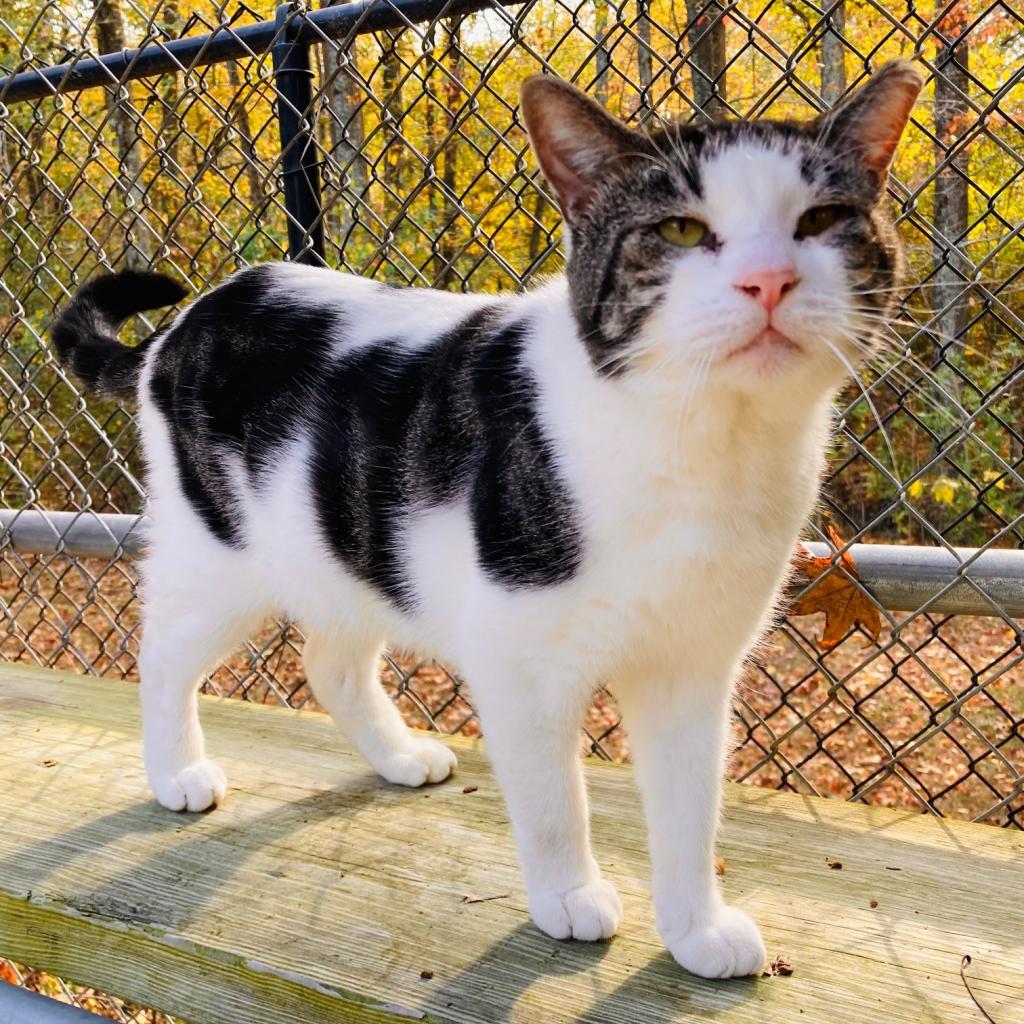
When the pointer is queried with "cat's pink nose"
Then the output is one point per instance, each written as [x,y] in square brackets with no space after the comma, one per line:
[768,287]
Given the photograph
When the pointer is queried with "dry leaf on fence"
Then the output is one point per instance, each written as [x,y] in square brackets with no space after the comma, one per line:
[836,594]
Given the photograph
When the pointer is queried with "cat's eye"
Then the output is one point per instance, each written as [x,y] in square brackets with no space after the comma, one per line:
[820,218]
[684,232]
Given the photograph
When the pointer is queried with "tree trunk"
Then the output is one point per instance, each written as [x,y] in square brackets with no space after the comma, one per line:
[448,241]
[110,38]
[951,188]
[644,59]
[604,56]
[169,131]
[243,126]
[706,36]
[392,109]
[349,172]
[537,232]
[833,53]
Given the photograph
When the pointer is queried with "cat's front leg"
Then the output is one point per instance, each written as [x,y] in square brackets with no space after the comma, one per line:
[678,730]
[532,735]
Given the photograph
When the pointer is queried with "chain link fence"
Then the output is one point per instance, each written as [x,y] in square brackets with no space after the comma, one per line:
[410,134]
[412,137]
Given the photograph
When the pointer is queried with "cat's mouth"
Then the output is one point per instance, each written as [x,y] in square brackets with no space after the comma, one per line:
[766,341]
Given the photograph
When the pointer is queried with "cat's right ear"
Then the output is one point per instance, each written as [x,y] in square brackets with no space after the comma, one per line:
[574,139]
[869,122]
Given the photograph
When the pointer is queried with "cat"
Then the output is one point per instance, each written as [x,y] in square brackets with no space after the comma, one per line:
[600,479]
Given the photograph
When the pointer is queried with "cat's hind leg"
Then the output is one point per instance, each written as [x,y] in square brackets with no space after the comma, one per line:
[342,671]
[187,630]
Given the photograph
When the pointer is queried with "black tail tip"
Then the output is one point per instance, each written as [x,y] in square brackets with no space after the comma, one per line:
[120,295]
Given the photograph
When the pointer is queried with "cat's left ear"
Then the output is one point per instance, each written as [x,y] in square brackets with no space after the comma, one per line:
[576,141]
[870,122]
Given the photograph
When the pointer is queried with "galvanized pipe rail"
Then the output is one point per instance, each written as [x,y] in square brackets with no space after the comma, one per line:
[289,37]
[21,1006]
[901,577]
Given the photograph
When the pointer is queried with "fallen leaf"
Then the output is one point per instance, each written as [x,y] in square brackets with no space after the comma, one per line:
[470,898]
[780,966]
[719,865]
[835,593]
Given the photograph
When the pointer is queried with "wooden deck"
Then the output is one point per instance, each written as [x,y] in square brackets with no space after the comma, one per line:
[319,893]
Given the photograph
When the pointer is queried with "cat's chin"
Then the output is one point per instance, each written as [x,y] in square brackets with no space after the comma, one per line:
[767,345]
[768,352]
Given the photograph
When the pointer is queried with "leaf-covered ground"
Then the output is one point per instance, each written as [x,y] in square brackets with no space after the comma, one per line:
[931,712]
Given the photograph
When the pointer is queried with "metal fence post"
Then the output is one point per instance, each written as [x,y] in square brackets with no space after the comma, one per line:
[293,77]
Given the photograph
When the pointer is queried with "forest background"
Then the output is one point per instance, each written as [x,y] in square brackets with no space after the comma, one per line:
[428,181]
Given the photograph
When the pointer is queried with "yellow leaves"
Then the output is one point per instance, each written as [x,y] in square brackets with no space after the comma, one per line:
[996,475]
[942,490]
[836,593]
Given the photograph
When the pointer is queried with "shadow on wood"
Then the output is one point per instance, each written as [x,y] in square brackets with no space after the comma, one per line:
[320,893]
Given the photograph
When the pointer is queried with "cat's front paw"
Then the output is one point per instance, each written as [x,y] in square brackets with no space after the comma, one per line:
[198,787]
[728,945]
[588,913]
[425,761]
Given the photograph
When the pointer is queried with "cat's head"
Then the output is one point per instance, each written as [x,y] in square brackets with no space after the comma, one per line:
[755,252]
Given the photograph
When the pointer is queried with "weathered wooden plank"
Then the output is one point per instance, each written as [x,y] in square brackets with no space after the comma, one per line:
[318,893]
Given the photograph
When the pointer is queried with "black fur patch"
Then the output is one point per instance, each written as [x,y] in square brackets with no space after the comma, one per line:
[526,527]
[402,431]
[392,431]
[232,378]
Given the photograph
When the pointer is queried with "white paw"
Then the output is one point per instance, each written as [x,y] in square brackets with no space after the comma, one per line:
[588,913]
[727,946]
[196,788]
[424,761]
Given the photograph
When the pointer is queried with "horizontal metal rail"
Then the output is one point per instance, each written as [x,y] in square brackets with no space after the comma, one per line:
[960,581]
[79,534]
[228,43]
[22,1006]
[950,581]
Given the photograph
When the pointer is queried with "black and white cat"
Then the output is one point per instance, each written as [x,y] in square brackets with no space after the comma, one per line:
[600,479]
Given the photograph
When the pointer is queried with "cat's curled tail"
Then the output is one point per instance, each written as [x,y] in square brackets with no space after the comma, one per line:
[84,333]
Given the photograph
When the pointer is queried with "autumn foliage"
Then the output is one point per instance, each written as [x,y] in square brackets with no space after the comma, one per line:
[835,589]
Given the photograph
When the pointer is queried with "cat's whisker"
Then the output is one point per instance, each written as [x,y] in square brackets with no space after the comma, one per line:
[960,419]
[867,398]
[697,381]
